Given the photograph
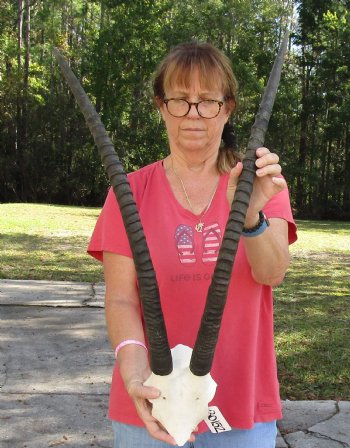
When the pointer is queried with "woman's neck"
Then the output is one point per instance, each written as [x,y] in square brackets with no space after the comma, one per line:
[192,180]
[195,164]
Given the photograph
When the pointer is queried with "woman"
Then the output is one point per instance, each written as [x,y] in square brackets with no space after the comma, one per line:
[184,202]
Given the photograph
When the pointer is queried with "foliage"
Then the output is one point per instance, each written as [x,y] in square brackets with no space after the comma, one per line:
[322,179]
[46,153]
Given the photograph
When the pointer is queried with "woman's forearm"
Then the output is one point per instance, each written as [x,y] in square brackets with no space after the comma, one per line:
[268,253]
[123,315]
[123,321]
[122,303]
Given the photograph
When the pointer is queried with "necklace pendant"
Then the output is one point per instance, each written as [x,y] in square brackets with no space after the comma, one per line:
[199,226]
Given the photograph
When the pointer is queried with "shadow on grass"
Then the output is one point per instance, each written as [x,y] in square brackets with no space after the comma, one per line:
[312,326]
[89,212]
[26,256]
[313,363]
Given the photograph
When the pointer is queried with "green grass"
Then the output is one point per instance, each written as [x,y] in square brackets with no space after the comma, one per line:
[312,314]
[47,242]
[312,306]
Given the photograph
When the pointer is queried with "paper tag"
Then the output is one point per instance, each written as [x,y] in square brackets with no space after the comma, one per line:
[216,421]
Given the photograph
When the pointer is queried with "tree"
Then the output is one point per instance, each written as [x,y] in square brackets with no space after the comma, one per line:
[324,26]
[114,46]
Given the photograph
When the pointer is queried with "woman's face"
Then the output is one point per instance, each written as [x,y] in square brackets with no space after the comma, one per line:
[192,132]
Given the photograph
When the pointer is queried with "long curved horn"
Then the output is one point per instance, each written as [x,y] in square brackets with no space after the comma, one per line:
[160,355]
[203,351]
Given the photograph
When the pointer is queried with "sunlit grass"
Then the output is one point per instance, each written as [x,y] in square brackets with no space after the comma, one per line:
[47,242]
[312,306]
[325,236]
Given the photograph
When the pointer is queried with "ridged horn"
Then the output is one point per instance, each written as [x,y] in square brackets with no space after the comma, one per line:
[160,354]
[203,351]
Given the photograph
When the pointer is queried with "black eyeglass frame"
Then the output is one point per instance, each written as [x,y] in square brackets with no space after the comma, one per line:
[190,104]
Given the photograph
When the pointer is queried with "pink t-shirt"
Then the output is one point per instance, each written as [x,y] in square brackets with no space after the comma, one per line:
[244,364]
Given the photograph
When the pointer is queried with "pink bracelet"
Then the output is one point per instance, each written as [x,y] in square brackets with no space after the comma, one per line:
[127,342]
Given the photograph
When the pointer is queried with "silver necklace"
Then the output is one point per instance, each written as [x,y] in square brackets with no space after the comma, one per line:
[199,226]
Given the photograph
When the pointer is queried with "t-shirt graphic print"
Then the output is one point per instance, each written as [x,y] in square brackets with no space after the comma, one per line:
[207,251]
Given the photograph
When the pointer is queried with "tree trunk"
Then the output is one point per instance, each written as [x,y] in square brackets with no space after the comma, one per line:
[24,156]
[27,47]
[346,196]
[19,101]
[102,24]
[304,117]
[325,178]
[19,33]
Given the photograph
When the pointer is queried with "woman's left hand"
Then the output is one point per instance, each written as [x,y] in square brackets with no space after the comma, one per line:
[266,183]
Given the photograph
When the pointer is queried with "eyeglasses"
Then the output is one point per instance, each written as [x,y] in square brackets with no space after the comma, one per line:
[178,107]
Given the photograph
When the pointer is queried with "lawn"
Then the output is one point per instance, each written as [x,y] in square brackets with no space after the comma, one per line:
[312,306]
[312,314]
[47,242]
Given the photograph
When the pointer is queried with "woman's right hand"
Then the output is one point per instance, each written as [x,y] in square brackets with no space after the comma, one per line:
[141,395]
[134,369]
